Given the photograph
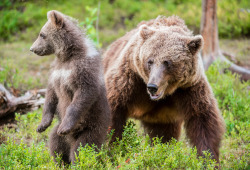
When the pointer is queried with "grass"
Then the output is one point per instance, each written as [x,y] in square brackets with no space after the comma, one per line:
[23,148]
[240,48]
[22,20]
[22,69]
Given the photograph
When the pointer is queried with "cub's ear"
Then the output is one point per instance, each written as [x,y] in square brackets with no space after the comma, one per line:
[56,18]
[195,44]
[146,32]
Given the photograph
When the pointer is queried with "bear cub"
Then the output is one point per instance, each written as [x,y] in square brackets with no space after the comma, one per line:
[76,90]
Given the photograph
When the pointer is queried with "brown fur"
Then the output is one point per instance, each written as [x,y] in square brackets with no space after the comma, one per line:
[163,53]
[76,89]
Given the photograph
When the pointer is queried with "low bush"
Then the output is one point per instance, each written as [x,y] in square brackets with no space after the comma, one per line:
[22,20]
[22,147]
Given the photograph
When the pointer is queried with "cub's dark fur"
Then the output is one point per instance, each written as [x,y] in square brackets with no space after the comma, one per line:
[76,90]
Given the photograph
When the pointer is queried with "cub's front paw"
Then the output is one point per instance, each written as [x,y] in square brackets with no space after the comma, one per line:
[64,129]
[41,128]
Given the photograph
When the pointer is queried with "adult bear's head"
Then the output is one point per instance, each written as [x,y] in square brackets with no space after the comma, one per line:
[168,59]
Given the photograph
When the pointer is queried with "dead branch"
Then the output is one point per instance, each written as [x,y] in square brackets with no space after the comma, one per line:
[230,56]
[30,101]
[243,72]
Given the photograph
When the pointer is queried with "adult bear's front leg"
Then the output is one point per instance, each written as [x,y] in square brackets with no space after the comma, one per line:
[119,118]
[165,131]
[203,121]
[120,89]
[118,106]
[205,132]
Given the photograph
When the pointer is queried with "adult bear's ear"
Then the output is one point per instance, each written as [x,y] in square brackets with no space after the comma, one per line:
[146,32]
[56,18]
[195,44]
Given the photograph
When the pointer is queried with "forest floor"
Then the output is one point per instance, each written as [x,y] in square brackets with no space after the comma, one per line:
[21,146]
[17,55]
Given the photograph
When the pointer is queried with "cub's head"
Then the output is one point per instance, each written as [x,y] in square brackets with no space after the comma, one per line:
[55,35]
[168,59]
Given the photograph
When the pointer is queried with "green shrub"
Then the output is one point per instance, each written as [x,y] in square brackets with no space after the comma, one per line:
[233,18]
[18,155]
[89,25]
[13,77]
[232,95]
[22,147]
[137,152]
[22,20]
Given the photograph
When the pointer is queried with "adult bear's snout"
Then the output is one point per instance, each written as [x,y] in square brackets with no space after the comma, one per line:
[152,88]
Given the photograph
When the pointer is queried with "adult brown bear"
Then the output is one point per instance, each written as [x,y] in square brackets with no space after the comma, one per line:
[155,74]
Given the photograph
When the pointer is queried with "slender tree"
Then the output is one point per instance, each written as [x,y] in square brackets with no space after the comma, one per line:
[209,31]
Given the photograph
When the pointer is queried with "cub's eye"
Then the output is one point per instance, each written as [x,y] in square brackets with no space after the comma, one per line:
[167,63]
[150,62]
[42,35]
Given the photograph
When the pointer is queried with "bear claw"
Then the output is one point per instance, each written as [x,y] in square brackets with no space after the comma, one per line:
[41,128]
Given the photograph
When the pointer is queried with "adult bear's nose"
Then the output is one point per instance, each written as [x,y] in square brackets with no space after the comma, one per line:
[152,88]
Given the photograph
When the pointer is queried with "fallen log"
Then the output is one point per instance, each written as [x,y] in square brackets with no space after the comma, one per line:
[243,72]
[30,101]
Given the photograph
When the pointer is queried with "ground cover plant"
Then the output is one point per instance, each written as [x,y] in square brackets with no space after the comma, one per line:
[24,148]
[21,147]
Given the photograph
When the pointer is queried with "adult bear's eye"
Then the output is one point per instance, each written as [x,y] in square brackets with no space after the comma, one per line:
[150,62]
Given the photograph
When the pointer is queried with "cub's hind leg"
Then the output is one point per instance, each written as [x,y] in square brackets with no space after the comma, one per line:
[59,146]
[88,136]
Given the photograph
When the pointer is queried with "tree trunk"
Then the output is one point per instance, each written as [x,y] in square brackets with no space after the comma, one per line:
[211,50]
[209,31]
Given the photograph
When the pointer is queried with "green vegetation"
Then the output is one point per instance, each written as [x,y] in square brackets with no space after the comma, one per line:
[21,69]
[22,20]
[14,78]
[233,98]
[22,147]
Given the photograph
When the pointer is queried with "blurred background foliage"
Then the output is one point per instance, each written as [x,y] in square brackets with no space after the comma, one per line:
[22,19]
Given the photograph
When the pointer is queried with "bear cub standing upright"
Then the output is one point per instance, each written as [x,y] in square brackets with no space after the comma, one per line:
[76,89]
[155,74]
